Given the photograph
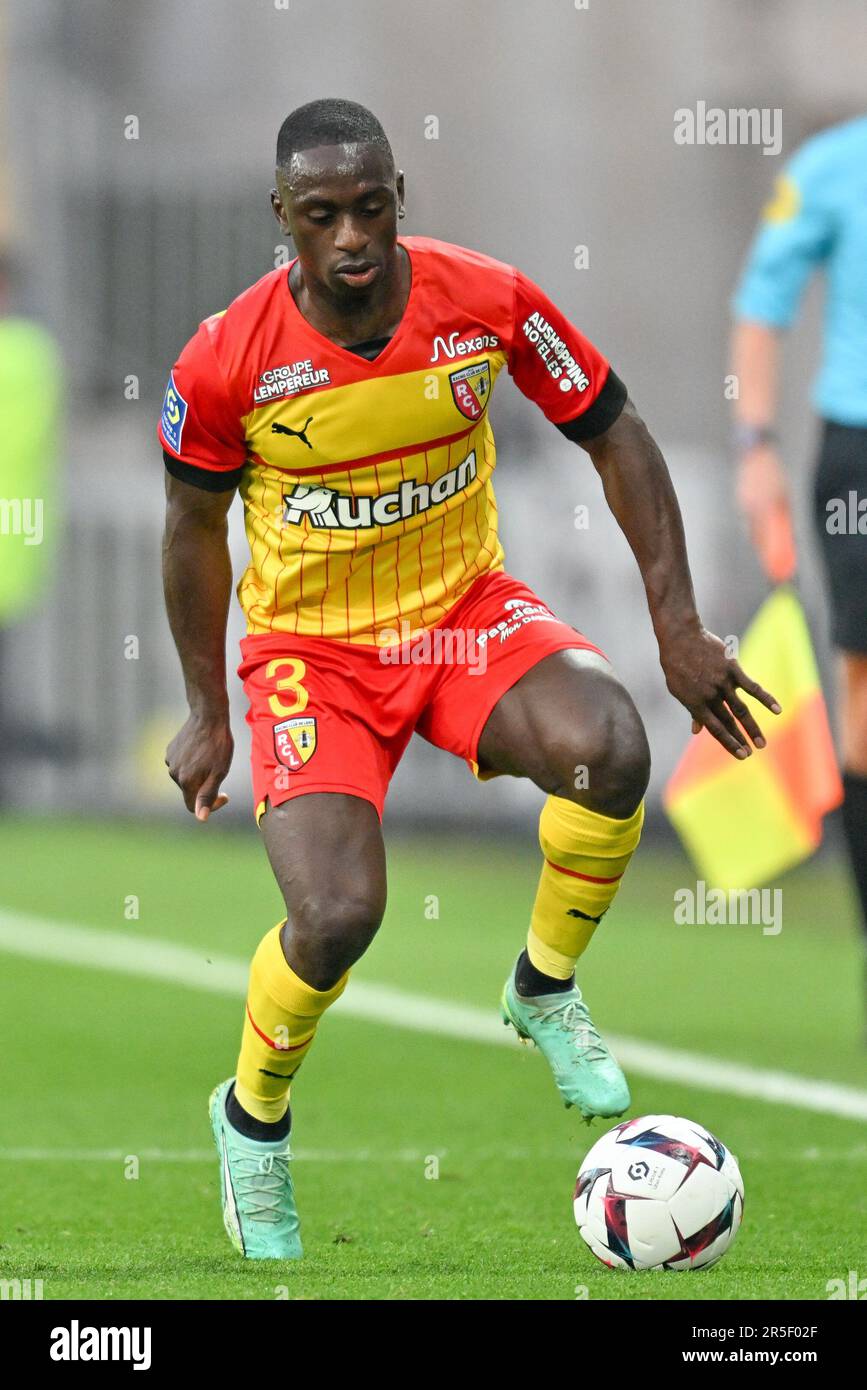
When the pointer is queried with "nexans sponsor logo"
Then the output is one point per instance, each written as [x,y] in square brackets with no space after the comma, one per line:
[453,346]
[328,508]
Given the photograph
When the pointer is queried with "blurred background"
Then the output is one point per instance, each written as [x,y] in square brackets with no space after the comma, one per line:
[138,157]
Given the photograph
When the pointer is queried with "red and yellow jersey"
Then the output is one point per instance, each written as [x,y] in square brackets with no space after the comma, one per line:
[366,484]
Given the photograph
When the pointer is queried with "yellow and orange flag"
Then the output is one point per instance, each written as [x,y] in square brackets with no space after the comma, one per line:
[745,821]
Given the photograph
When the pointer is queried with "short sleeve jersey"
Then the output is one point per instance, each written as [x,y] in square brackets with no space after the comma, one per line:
[367,488]
[817,220]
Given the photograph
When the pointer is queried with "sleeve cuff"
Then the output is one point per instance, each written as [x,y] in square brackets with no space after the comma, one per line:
[222,480]
[759,299]
[601,415]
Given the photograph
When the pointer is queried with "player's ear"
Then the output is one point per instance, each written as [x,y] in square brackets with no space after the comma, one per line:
[399,187]
[280,212]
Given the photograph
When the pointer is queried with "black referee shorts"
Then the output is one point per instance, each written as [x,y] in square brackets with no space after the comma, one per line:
[840,484]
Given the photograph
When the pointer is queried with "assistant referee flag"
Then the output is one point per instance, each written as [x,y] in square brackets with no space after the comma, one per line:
[744,822]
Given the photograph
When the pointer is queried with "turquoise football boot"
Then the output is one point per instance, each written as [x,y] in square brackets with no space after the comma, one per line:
[561,1027]
[259,1211]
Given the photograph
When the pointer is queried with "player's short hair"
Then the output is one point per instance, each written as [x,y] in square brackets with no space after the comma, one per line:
[329,121]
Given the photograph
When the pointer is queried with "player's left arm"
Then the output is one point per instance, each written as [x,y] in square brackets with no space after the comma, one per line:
[698,671]
[575,386]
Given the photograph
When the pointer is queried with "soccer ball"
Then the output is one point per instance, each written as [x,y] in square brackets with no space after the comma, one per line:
[659,1192]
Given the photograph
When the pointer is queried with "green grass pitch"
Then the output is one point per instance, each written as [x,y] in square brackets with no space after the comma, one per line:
[103,1066]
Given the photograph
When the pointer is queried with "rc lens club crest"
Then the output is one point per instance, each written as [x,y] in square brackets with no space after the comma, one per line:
[470,389]
[295,742]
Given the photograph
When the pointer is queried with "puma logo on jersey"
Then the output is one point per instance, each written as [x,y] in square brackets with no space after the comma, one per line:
[299,434]
[328,508]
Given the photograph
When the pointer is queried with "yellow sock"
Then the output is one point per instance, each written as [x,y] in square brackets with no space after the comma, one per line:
[586,855]
[279,1026]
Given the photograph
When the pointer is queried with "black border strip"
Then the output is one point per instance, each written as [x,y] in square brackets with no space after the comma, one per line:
[202,477]
[601,415]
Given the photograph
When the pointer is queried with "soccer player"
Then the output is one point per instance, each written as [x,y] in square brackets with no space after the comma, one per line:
[816,220]
[347,398]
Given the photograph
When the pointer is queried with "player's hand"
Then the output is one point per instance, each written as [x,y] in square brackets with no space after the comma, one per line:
[700,674]
[198,759]
[764,501]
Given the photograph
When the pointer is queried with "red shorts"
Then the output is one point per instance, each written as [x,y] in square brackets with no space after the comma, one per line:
[330,716]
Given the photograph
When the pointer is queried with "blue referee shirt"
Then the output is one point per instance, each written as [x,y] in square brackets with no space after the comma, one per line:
[817,217]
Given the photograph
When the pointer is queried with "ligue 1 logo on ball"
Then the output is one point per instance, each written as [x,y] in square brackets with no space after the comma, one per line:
[680,1208]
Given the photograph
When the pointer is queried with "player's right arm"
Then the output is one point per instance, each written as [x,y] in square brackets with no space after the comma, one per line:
[197,581]
[204,450]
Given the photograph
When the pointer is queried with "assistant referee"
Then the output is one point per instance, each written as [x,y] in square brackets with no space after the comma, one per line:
[816,220]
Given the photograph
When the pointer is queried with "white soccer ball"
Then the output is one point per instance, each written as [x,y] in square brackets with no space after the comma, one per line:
[659,1192]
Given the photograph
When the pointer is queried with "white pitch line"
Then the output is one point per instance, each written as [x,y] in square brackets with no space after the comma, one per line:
[197,968]
[150,1155]
[855,1154]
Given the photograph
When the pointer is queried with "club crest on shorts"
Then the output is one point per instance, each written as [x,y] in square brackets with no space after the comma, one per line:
[295,742]
[470,388]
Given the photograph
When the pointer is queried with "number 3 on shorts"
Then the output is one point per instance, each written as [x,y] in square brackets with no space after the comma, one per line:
[293,683]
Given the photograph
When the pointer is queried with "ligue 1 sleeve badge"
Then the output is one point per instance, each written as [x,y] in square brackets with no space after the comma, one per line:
[470,388]
[295,742]
[173,416]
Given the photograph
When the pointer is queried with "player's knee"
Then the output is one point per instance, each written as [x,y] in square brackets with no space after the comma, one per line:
[611,769]
[627,771]
[331,932]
